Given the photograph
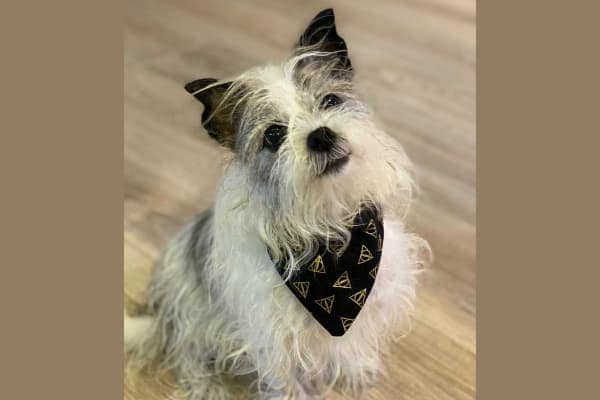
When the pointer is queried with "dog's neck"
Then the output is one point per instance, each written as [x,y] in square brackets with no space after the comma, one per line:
[295,226]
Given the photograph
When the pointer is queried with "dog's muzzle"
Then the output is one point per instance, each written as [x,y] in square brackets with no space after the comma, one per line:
[328,151]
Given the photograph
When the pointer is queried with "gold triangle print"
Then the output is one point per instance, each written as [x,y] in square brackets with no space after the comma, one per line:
[343,281]
[379,243]
[359,297]
[326,303]
[371,229]
[317,266]
[373,272]
[302,288]
[346,322]
[337,247]
[365,255]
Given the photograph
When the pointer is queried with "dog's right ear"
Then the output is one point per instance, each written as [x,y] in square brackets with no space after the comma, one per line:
[217,116]
[321,35]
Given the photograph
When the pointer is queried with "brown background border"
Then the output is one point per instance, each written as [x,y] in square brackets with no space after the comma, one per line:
[62,205]
[61,158]
[537,129]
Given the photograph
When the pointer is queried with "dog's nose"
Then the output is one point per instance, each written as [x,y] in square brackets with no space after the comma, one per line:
[321,139]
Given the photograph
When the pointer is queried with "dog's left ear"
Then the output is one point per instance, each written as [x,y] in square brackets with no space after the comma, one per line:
[321,36]
[217,116]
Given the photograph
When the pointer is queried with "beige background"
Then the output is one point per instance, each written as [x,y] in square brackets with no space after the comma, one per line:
[415,63]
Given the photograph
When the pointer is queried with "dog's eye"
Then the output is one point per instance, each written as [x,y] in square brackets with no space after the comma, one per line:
[273,136]
[330,100]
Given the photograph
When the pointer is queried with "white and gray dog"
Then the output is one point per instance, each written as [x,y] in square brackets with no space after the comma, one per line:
[277,279]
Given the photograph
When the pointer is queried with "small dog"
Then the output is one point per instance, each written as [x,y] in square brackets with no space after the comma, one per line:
[287,278]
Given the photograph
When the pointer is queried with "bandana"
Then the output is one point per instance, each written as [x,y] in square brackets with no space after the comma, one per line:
[335,284]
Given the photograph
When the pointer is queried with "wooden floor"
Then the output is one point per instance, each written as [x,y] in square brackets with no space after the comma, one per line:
[415,65]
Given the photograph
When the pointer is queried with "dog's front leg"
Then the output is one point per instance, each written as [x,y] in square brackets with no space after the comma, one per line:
[290,389]
[356,378]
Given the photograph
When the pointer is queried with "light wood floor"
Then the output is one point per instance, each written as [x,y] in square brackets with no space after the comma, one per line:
[415,63]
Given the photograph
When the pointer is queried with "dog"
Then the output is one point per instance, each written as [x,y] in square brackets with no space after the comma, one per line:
[287,278]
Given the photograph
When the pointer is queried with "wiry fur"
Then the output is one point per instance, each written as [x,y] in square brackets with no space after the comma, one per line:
[220,307]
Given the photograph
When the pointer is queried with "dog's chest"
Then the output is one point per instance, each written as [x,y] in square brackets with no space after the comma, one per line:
[258,294]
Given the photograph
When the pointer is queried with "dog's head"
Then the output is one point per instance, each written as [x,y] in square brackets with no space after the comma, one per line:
[305,142]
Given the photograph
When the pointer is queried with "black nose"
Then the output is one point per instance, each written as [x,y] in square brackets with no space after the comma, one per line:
[321,139]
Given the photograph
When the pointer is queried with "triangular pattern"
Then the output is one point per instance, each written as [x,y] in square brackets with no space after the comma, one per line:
[337,247]
[346,322]
[359,297]
[326,303]
[373,272]
[317,266]
[343,281]
[365,255]
[371,229]
[335,283]
[302,288]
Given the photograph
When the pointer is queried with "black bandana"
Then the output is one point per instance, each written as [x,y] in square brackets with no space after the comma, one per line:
[335,284]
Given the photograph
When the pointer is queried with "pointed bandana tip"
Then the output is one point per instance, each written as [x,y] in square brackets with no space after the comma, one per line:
[335,284]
